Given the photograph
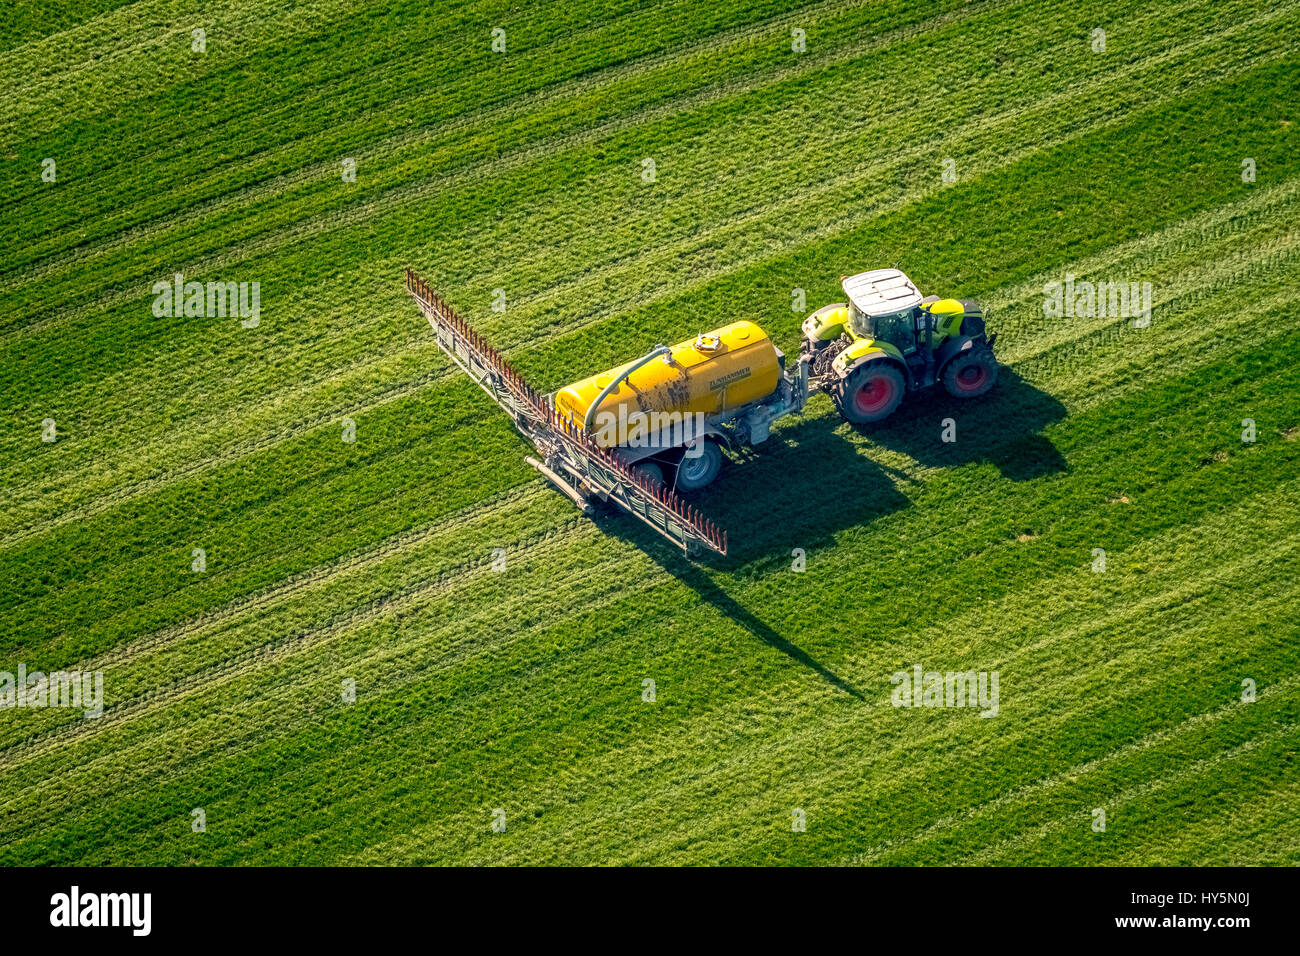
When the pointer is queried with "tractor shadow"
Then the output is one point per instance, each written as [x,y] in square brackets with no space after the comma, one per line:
[1002,428]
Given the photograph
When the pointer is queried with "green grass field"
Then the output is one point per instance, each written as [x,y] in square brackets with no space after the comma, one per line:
[521,690]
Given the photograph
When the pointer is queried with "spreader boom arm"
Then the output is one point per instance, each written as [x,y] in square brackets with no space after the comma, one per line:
[570,458]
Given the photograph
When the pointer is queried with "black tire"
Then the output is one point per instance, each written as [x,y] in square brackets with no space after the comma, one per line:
[651,470]
[869,393]
[699,472]
[971,373]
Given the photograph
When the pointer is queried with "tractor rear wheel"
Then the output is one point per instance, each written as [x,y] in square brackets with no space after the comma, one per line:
[971,374]
[870,393]
[694,473]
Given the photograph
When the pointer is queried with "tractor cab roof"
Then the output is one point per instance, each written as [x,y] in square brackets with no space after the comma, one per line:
[881,292]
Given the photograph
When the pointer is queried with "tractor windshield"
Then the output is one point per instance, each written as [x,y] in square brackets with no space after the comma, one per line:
[860,322]
[896,328]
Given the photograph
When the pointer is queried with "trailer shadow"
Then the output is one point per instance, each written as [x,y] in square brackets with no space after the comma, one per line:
[805,485]
[1003,428]
[710,592]
[811,481]
[802,487]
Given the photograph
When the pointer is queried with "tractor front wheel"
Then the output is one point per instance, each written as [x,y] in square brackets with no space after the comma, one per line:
[971,374]
[870,393]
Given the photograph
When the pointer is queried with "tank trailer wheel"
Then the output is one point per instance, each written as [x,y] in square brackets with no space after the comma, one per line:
[869,393]
[699,472]
[971,374]
[651,470]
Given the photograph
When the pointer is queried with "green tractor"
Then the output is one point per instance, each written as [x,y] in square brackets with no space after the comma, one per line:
[888,342]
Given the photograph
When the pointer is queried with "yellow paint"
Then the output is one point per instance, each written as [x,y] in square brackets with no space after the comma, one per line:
[742,368]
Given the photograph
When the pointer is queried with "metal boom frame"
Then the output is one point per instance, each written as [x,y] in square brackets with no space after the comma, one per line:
[569,458]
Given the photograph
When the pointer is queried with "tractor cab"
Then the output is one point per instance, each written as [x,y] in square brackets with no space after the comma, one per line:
[884,305]
[898,329]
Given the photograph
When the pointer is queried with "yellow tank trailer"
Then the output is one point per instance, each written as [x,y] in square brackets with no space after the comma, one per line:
[713,374]
[637,434]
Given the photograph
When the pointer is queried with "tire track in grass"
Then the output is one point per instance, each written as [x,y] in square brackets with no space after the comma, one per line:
[78,89]
[493,114]
[390,395]
[278,702]
[673,791]
[444,373]
[1079,814]
[787,747]
[1035,790]
[613,591]
[242,663]
[1272,837]
[285,589]
[1078,331]
[399,196]
[80,50]
[1144,255]
[1140,791]
[1259,266]
[1176,295]
[1063,343]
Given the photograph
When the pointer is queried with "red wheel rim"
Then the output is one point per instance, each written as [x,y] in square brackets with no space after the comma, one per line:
[972,377]
[875,394]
